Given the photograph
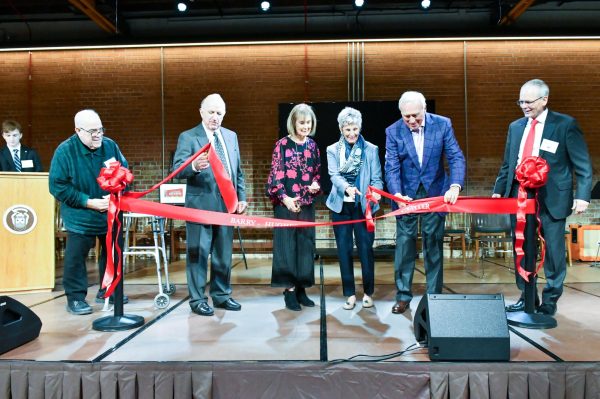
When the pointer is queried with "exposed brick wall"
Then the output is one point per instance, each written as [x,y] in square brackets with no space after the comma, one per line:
[474,82]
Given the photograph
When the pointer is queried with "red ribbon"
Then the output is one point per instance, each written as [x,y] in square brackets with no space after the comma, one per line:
[532,173]
[113,179]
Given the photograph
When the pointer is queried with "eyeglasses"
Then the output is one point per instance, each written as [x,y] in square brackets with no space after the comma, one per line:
[94,132]
[520,103]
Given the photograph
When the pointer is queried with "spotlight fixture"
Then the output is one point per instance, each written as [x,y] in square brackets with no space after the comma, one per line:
[181,6]
[265,6]
[359,3]
[425,4]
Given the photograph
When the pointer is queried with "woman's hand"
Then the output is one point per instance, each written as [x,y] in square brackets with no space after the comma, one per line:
[352,192]
[314,188]
[292,204]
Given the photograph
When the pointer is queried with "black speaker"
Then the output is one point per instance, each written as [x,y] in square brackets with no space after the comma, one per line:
[462,327]
[18,324]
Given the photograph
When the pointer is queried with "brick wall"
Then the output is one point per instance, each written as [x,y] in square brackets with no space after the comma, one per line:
[147,96]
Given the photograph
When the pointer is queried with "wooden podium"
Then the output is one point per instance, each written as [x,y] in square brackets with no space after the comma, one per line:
[27,233]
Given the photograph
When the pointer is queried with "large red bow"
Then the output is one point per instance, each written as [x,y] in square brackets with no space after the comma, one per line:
[532,173]
[113,179]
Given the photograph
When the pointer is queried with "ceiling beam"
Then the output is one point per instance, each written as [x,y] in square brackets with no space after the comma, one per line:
[88,7]
[516,12]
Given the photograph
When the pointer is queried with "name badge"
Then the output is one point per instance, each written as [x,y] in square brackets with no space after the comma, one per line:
[549,146]
[26,163]
[109,161]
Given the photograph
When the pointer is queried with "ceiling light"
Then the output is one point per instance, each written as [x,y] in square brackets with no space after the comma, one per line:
[181,6]
[359,3]
[265,6]
[425,4]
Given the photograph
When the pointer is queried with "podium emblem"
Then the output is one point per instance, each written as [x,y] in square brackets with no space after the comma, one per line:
[19,219]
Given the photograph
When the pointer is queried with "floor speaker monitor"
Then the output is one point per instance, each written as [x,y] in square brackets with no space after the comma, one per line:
[18,324]
[458,327]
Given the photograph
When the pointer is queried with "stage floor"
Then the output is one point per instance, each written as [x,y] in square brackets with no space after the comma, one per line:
[265,331]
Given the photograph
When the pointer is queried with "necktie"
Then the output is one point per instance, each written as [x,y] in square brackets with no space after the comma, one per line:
[17,160]
[528,147]
[221,153]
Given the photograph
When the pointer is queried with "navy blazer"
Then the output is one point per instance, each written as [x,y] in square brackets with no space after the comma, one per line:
[570,157]
[7,163]
[370,175]
[403,174]
[202,191]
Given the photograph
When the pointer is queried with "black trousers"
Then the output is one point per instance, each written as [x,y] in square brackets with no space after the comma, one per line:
[345,246]
[294,250]
[75,281]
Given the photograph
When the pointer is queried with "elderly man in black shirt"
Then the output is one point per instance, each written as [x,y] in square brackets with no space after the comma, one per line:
[73,171]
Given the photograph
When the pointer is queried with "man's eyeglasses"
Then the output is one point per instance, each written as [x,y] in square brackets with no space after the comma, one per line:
[94,132]
[520,103]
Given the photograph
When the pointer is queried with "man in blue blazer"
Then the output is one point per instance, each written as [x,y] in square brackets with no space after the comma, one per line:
[558,139]
[203,193]
[14,152]
[414,168]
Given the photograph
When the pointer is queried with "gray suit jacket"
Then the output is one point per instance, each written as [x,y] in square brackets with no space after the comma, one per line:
[571,157]
[370,175]
[202,190]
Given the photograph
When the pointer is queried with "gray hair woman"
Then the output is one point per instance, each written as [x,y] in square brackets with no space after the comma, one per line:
[353,165]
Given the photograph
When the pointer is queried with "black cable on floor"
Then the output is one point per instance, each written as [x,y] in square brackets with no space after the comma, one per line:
[323,344]
[379,358]
[137,332]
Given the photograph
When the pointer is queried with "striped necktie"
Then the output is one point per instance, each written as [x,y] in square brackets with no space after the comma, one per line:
[16,159]
[221,153]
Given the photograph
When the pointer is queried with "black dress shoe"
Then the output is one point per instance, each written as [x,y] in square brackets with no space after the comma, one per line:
[203,309]
[519,306]
[303,299]
[291,301]
[547,308]
[78,307]
[229,304]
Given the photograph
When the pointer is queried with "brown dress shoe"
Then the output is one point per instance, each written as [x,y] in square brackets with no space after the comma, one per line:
[400,307]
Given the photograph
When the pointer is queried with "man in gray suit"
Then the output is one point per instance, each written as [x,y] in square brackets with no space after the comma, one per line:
[558,139]
[203,193]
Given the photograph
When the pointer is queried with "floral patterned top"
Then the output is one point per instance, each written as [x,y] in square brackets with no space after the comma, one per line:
[293,169]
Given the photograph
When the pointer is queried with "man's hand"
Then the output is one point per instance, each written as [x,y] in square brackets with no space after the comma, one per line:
[352,191]
[496,195]
[242,206]
[292,204]
[98,204]
[201,162]
[451,195]
[405,198]
[314,187]
[579,206]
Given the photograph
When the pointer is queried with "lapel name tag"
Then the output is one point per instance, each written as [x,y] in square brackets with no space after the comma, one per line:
[109,161]
[549,146]
[26,163]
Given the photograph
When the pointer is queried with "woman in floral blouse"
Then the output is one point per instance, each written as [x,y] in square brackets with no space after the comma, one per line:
[293,186]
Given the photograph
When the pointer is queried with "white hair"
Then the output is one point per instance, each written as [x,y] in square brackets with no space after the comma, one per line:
[87,118]
[540,85]
[349,116]
[412,97]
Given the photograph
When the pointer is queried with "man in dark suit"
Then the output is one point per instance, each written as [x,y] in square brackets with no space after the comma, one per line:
[414,168]
[558,139]
[203,193]
[15,157]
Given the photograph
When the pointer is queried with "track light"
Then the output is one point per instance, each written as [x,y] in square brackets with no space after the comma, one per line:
[181,6]
[265,6]
[425,4]
[359,3]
